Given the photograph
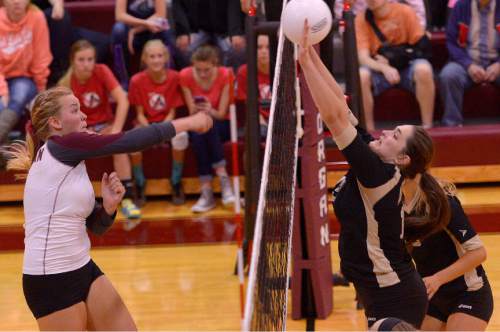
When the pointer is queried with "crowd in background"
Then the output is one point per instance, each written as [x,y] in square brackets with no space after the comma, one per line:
[192,55]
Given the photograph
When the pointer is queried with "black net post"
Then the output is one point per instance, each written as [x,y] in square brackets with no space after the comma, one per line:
[352,80]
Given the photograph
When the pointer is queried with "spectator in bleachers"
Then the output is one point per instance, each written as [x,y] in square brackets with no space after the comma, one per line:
[218,22]
[155,93]
[63,35]
[207,88]
[24,60]
[359,6]
[473,41]
[138,21]
[93,84]
[263,83]
[399,24]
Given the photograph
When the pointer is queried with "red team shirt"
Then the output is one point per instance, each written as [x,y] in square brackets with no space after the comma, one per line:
[264,88]
[224,76]
[157,99]
[94,94]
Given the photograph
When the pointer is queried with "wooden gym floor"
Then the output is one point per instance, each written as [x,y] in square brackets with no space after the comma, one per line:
[186,282]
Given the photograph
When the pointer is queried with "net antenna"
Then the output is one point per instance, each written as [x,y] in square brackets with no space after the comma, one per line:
[267,291]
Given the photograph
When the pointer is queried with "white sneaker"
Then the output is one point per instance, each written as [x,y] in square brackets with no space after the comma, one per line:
[205,203]
[226,190]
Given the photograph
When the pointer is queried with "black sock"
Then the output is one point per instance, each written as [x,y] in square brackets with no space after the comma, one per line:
[129,188]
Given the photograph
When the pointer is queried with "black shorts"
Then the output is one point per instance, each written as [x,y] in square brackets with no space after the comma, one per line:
[477,303]
[46,294]
[406,300]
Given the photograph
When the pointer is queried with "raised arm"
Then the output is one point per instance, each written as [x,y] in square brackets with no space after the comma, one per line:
[73,148]
[331,106]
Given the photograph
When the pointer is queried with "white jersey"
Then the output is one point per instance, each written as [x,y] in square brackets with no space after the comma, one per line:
[57,200]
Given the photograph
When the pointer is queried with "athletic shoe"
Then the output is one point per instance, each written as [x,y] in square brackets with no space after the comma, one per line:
[178,196]
[339,280]
[205,203]
[130,210]
[226,190]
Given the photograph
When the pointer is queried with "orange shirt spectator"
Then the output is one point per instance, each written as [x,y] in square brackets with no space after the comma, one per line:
[399,26]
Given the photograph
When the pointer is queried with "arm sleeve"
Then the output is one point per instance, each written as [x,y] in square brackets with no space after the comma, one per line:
[133,93]
[460,227]
[110,81]
[241,80]
[369,169]
[415,29]
[73,148]
[180,18]
[457,52]
[362,32]
[41,51]
[99,221]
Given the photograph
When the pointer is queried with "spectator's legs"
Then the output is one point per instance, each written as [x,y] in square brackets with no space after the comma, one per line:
[61,36]
[202,150]
[21,91]
[179,144]
[139,178]
[424,90]
[366,92]
[219,163]
[196,40]
[119,39]
[168,38]
[453,82]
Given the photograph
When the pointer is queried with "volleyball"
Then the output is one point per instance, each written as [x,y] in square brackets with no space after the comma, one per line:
[317,14]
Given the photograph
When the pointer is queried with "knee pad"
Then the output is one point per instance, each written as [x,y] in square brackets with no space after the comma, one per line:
[180,141]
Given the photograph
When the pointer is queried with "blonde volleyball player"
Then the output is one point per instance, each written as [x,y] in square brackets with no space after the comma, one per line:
[63,287]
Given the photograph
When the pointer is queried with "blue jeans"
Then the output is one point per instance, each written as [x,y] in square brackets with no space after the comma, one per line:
[230,57]
[209,152]
[119,36]
[453,81]
[380,84]
[21,91]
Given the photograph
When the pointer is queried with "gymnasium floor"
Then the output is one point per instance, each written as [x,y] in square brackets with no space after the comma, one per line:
[191,286]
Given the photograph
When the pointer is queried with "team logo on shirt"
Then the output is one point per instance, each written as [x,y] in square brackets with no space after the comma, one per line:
[157,101]
[91,99]
[10,43]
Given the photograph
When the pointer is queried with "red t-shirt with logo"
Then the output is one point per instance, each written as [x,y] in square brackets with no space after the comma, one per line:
[264,84]
[157,99]
[94,94]
[224,76]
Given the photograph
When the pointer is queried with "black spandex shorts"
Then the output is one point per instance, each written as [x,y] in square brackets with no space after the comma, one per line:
[477,303]
[46,294]
[406,300]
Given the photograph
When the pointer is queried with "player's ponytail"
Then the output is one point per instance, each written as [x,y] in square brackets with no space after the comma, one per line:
[431,213]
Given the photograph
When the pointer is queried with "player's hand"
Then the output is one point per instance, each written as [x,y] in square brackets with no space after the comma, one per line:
[58,10]
[432,284]
[391,74]
[477,73]
[112,191]
[492,72]
[201,122]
